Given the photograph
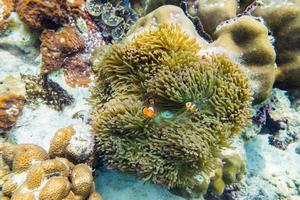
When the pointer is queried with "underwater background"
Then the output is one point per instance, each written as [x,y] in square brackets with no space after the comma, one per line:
[149,99]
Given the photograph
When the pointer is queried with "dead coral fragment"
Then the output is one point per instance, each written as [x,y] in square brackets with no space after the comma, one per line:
[40,88]
[41,14]
[57,45]
[37,175]
[175,145]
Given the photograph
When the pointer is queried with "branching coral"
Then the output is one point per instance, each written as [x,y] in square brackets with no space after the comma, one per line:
[34,175]
[12,99]
[41,88]
[176,144]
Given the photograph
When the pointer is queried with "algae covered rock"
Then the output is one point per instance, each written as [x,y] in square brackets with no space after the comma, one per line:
[164,112]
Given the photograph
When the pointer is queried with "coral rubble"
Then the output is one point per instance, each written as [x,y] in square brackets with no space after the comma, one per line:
[161,70]
[41,88]
[35,175]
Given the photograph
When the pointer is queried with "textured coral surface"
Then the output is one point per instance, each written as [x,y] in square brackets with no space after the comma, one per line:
[35,175]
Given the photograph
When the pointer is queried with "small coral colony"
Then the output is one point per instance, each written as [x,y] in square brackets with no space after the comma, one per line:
[172,87]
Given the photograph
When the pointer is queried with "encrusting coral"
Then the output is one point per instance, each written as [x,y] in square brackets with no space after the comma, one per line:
[35,176]
[42,89]
[163,111]
[57,45]
[12,99]
[39,14]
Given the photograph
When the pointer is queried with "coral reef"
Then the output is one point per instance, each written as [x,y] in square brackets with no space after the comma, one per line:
[57,45]
[232,171]
[43,89]
[282,18]
[161,70]
[35,175]
[39,14]
[166,15]
[235,26]
[12,99]
[71,143]
[248,39]
[77,72]
[114,18]
[6,7]
[278,118]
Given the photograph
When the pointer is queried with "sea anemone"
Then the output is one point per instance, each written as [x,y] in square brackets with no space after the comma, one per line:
[162,70]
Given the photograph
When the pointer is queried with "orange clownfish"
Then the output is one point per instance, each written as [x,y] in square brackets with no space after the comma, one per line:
[149,111]
[189,106]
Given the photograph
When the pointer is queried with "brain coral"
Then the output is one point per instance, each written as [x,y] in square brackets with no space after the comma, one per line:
[35,176]
[163,111]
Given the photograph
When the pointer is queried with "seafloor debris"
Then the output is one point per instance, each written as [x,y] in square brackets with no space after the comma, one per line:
[114,18]
[35,175]
[42,89]
[12,99]
[72,143]
[175,145]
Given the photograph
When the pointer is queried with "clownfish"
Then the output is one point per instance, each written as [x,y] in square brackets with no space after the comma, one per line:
[149,111]
[189,106]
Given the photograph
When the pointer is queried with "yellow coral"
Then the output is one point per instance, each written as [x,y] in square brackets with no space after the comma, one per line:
[51,179]
[82,180]
[60,141]
[56,188]
[25,155]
